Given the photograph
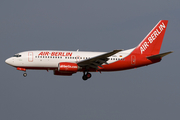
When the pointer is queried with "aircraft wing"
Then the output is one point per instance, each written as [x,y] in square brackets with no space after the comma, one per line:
[97,60]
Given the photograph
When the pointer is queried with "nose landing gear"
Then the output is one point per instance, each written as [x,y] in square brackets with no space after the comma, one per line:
[22,69]
[24,74]
[86,75]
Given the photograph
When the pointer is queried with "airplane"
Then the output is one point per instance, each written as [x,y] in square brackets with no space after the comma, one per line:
[67,63]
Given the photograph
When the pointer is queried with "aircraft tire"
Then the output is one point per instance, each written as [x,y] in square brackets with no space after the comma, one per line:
[84,77]
[24,74]
[88,75]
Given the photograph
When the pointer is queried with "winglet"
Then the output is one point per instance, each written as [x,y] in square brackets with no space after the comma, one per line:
[158,55]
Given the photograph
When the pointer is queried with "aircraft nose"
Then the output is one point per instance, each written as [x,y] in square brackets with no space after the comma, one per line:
[8,61]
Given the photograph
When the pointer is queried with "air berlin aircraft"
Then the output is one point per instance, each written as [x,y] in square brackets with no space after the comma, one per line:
[69,62]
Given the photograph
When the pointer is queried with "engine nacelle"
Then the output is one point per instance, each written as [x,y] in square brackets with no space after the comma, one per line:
[68,67]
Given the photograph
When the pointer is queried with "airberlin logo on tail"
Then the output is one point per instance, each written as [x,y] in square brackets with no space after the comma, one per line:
[152,37]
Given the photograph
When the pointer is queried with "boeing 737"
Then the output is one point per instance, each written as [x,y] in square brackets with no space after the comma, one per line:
[69,62]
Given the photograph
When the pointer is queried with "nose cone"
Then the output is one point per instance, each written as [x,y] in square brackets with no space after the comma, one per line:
[8,61]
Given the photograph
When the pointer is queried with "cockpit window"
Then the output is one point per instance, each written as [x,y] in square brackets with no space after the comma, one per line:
[17,55]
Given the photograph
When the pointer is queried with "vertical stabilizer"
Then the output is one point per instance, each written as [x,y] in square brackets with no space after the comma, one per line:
[151,44]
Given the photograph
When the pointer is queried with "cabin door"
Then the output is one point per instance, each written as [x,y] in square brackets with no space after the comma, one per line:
[30,56]
[133,59]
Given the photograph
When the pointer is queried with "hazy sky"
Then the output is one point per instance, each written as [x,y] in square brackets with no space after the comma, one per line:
[147,93]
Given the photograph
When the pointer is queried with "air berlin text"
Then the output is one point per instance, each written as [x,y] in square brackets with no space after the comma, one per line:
[55,54]
[152,37]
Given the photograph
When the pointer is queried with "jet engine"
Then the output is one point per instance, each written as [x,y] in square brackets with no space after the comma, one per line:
[66,68]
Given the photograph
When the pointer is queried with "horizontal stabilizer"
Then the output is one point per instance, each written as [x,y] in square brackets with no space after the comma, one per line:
[158,55]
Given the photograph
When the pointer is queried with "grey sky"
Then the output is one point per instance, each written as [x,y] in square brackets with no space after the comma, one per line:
[147,93]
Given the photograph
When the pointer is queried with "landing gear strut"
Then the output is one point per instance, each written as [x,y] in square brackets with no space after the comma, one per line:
[86,75]
[24,74]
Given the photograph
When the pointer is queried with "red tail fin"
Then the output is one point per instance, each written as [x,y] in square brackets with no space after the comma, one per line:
[152,42]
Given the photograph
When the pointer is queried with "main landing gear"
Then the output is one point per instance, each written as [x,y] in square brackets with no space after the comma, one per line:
[86,75]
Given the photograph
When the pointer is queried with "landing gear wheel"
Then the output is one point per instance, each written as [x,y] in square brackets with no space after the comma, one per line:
[84,77]
[88,75]
[24,74]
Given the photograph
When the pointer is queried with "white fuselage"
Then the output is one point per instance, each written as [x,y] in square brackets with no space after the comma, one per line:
[50,58]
